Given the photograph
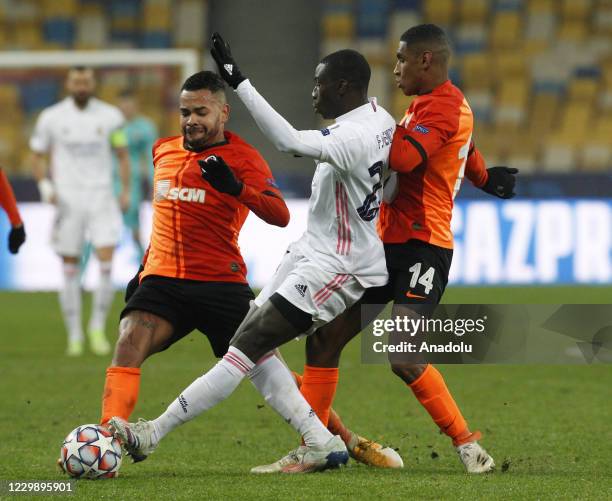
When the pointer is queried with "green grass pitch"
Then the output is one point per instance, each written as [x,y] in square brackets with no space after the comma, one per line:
[549,425]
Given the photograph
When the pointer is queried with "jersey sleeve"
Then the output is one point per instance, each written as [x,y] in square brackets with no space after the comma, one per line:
[413,144]
[260,192]
[475,167]
[40,142]
[343,145]
[280,132]
[118,138]
[7,200]
[116,122]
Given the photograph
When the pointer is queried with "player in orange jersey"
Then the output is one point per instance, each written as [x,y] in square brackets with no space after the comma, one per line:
[17,234]
[193,275]
[431,152]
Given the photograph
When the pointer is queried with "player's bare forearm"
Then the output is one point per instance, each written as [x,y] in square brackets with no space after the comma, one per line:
[38,164]
[124,168]
[266,205]
[46,189]
[124,173]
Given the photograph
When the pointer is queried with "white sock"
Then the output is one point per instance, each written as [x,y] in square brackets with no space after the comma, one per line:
[276,384]
[102,298]
[205,392]
[70,301]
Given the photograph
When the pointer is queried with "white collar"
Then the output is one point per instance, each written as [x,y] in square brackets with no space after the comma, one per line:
[364,108]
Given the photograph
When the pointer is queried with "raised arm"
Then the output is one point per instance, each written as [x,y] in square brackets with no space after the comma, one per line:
[282,134]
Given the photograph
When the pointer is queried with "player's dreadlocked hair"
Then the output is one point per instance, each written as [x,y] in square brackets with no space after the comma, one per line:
[427,36]
[348,65]
[204,80]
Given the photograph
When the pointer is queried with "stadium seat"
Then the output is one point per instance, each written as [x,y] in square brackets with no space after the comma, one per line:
[509,64]
[481,102]
[372,16]
[91,29]
[338,25]
[60,31]
[583,90]
[508,4]
[573,30]
[510,108]
[400,21]
[190,16]
[438,11]
[157,16]
[59,8]
[470,38]
[156,40]
[474,11]
[506,31]
[540,6]
[558,156]
[476,71]
[39,93]
[28,36]
[540,26]
[576,9]
[574,124]
[543,113]
[596,154]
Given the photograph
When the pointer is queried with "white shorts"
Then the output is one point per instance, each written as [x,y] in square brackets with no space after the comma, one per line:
[85,217]
[322,294]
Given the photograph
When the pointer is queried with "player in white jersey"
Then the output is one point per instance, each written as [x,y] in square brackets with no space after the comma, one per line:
[323,273]
[78,134]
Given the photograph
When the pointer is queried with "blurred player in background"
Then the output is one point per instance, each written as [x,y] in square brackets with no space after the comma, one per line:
[17,234]
[141,134]
[322,273]
[432,149]
[193,275]
[78,134]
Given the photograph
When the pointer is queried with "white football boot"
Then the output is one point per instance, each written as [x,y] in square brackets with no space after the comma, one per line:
[475,458]
[137,438]
[306,459]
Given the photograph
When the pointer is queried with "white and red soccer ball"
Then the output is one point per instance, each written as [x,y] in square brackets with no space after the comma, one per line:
[90,451]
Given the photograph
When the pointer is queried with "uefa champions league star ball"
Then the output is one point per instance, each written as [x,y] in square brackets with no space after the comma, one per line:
[90,451]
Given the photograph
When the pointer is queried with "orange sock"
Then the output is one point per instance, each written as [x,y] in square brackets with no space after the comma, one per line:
[337,427]
[120,392]
[430,389]
[298,379]
[319,387]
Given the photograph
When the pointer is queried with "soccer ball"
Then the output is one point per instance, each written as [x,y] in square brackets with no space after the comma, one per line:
[90,451]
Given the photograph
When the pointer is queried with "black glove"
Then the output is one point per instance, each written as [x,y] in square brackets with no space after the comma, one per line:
[133,284]
[222,54]
[220,176]
[16,238]
[501,182]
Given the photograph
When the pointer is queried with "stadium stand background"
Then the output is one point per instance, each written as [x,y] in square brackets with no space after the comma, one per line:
[538,73]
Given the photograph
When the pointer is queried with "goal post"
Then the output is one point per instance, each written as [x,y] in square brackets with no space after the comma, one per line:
[33,80]
[185,59]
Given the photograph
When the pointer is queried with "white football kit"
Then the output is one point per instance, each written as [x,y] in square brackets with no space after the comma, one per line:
[340,254]
[79,144]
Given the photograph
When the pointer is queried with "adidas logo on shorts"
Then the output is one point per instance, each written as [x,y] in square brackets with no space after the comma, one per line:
[301,289]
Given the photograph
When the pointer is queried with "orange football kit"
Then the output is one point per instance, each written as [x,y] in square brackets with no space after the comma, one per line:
[194,275]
